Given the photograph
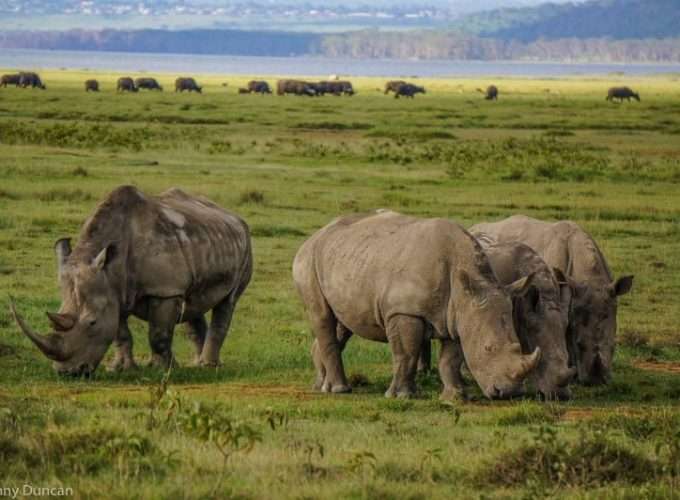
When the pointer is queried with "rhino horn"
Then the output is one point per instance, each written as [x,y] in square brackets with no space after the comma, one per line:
[528,364]
[61,322]
[50,345]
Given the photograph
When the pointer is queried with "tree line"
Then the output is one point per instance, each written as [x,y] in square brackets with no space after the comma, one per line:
[368,44]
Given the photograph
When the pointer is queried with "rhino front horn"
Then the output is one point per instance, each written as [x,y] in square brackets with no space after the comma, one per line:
[528,364]
[50,345]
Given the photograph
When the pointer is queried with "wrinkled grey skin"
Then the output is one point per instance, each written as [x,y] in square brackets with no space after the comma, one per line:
[397,279]
[188,84]
[621,93]
[166,259]
[541,316]
[565,246]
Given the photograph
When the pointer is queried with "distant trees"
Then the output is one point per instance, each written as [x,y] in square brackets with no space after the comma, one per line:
[423,44]
[458,46]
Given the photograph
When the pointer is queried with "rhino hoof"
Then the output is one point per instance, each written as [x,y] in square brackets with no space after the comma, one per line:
[119,366]
[400,394]
[335,389]
[210,364]
[451,394]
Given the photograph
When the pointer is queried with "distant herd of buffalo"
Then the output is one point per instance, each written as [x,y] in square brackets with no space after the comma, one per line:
[400,88]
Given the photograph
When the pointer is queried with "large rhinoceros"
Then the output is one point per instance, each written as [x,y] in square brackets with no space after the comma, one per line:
[541,316]
[393,278]
[167,259]
[592,319]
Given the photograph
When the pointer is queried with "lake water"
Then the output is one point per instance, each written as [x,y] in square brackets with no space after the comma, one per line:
[240,65]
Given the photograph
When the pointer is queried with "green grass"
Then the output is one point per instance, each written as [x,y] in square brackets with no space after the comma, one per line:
[289,165]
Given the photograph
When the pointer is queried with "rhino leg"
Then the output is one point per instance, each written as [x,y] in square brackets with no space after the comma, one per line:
[219,326]
[405,335]
[343,334]
[425,358]
[163,314]
[450,360]
[196,330]
[123,344]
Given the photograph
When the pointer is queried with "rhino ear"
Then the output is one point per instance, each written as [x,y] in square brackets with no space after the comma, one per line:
[469,284]
[104,257]
[623,285]
[560,277]
[520,287]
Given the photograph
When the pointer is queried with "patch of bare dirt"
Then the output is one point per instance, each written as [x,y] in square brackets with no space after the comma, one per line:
[658,366]
[578,414]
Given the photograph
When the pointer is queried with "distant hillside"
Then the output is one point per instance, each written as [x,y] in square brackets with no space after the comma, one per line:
[617,19]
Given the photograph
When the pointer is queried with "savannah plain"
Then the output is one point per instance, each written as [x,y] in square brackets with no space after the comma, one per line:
[252,428]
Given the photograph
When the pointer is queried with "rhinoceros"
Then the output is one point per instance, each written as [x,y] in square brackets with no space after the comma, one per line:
[91,85]
[541,316]
[393,86]
[148,83]
[408,90]
[13,79]
[491,93]
[297,87]
[126,84]
[31,79]
[259,87]
[188,84]
[392,278]
[167,260]
[564,245]
[621,93]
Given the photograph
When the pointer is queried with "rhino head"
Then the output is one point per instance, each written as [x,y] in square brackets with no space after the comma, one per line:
[541,319]
[88,319]
[483,319]
[592,323]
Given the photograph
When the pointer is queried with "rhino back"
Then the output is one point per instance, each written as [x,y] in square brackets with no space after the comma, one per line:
[371,267]
[171,245]
[564,245]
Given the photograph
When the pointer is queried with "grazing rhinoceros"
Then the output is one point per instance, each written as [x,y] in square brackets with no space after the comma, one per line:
[91,85]
[167,259]
[31,79]
[621,93]
[148,84]
[491,93]
[408,90]
[259,87]
[393,86]
[13,79]
[541,316]
[188,84]
[126,84]
[297,87]
[392,278]
[592,319]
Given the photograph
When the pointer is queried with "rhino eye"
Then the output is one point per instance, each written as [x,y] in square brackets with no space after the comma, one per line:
[92,322]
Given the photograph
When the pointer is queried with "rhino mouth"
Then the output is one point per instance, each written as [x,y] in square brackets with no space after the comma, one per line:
[505,392]
[598,373]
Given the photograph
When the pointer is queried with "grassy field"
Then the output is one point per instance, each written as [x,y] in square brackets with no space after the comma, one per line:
[252,428]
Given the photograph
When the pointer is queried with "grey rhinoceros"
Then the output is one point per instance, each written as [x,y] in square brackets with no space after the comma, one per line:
[167,260]
[540,316]
[392,278]
[592,318]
